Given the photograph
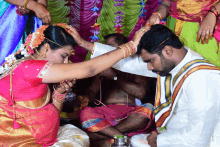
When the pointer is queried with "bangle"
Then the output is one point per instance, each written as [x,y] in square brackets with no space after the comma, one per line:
[133,47]
[124,52]
[58,101]
[57,96]
[125,49]
[25,3]
[213,13]
[216,10]
[128,49]
[158,14]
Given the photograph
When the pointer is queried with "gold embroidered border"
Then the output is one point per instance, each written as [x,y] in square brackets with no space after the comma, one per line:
[13,67]
[44,69]
[161,120]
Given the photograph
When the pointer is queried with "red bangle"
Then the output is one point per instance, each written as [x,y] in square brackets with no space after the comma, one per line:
[214,14]
[128,48]
[56,96]
[216,10]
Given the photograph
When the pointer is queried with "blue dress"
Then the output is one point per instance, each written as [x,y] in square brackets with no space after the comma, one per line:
[14,29]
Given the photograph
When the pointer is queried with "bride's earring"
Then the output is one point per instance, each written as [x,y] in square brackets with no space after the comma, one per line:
[45,54]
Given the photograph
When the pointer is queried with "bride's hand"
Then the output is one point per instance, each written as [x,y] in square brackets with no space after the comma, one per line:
[65,86]
[207,28]
[72,31]
[138,34]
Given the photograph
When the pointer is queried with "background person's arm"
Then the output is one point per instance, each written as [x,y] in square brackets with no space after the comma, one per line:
[208,24]
[40,10]
[163,12]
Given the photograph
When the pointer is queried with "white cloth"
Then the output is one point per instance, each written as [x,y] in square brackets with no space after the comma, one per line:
[195,121]
[133,65]
[71,136]
[140,140]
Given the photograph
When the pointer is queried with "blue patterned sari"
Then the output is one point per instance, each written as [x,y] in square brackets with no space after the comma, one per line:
[13,29]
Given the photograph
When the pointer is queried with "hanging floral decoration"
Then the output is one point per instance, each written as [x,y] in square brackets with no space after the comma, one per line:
[68,4]
[141,19]
[96,27]
[119,17]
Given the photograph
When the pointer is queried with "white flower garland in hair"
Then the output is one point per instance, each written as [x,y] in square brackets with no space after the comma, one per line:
[23,51]
[11,59]
[32,41]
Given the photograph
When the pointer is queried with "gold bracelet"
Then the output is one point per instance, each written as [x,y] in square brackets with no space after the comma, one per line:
[25,3]
[123,52]
[158,14]
[128,48]
[133,47]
